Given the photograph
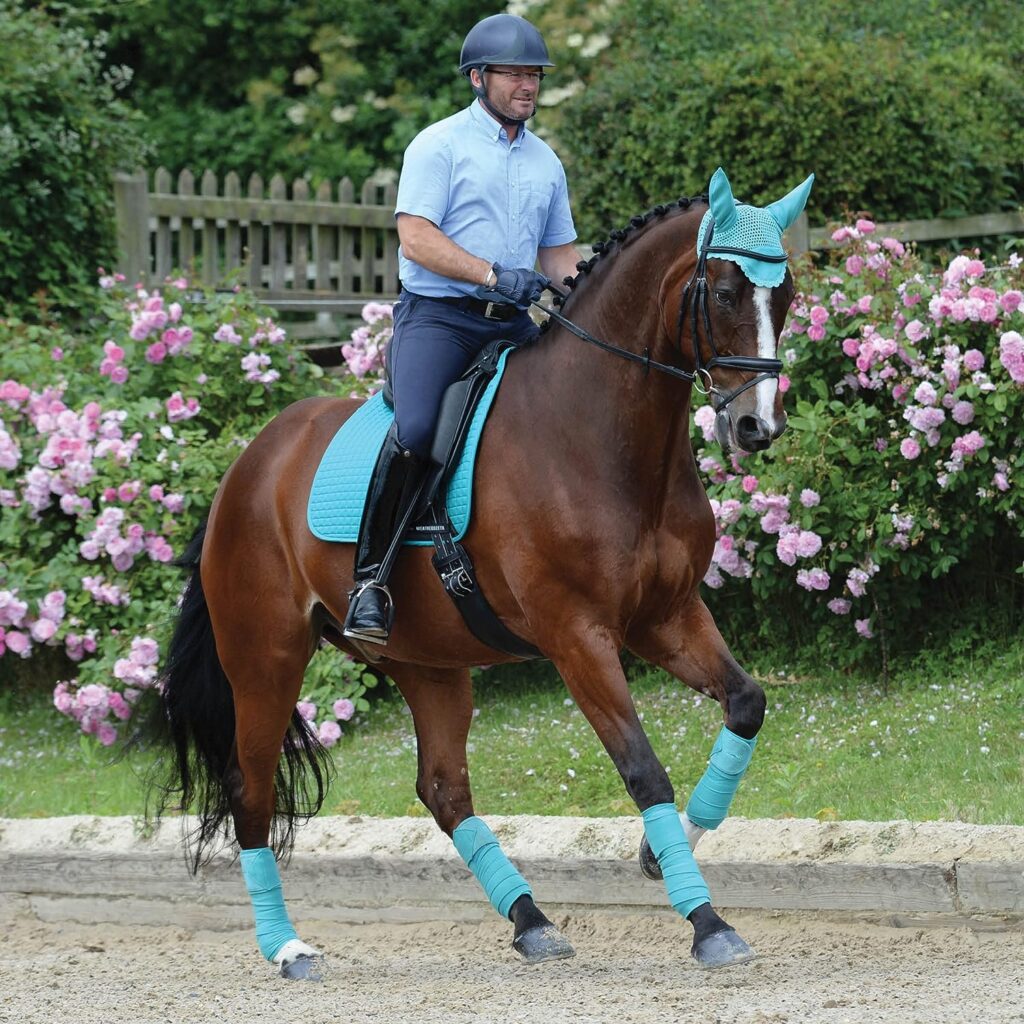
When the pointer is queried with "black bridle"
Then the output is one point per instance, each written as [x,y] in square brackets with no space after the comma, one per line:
[694,296]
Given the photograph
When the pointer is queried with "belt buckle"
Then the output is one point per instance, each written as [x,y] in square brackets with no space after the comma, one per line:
[488,311]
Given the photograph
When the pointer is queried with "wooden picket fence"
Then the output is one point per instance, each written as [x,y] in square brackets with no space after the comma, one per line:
[324,251]
[329,252]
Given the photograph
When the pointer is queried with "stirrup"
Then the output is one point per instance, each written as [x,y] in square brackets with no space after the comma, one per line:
[372,636]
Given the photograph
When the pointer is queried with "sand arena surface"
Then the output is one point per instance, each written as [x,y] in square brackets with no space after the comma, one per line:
[631,969]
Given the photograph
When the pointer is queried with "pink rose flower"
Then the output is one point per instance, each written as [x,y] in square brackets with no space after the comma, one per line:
[106,733]
[17,643]
[925,394]
[344,709]
[863,627]
[42,630]
[1011,355]
[916,331]
[963,412]
[1011,301]
[909,448]
[329,733]
[704,417]
[973,360]
[156,353]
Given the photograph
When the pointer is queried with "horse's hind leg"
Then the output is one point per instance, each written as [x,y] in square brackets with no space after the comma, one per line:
[589,664]
[441,701]
[266,678]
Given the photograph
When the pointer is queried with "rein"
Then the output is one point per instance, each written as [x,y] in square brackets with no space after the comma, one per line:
[700,376]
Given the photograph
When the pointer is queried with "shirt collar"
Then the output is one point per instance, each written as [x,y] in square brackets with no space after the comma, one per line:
[493,129]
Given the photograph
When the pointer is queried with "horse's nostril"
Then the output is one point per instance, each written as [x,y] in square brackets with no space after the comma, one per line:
[752,428]
[753,434]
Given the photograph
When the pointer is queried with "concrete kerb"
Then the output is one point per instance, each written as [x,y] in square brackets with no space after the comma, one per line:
[90,869]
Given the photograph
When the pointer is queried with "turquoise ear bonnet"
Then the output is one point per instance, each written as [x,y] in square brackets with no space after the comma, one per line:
[738,226]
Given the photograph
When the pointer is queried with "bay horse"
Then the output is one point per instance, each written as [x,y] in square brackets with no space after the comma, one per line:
[591,533]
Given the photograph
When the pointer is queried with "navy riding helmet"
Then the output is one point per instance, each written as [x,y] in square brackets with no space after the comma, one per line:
[502,39]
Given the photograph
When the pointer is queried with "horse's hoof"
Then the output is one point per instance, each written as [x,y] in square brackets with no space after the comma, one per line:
[721,949]
[648,862]
[304,968]
[545,942]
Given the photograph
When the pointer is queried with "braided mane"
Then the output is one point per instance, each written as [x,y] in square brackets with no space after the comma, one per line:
[614,242]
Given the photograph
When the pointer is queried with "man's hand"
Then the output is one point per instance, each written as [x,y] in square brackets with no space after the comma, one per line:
[519,285]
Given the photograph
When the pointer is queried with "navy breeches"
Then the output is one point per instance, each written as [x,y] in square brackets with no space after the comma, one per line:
[432,346]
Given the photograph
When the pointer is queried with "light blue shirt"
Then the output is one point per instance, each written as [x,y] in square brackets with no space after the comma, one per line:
[497,200]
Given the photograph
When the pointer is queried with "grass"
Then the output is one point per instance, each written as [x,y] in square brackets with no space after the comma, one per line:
[939,743]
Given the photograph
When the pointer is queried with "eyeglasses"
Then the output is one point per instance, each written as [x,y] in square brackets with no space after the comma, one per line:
[520,76]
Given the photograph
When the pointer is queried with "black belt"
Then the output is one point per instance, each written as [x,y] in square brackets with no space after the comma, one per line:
[489,310]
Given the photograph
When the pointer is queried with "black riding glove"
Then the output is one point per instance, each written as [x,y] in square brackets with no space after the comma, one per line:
[519,285]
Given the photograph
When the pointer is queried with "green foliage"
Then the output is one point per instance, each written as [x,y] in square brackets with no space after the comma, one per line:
[909,110]
[64,130]
[324,88]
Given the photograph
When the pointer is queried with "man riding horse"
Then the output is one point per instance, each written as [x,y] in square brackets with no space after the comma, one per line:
[480,200]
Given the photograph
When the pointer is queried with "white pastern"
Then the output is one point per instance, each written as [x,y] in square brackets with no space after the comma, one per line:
[292,950]
[693,832]
[766,345]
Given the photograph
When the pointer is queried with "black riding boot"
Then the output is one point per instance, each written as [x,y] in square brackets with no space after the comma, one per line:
[396,484]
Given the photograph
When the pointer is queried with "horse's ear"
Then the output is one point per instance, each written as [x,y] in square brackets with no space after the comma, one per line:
[787,209]
[723,206]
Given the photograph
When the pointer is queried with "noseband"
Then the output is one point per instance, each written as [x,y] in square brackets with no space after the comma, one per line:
[694,296]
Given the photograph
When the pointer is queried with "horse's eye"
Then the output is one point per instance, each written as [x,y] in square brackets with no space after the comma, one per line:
[725,296]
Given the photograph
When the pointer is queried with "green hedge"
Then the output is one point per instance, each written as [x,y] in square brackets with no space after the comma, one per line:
[63,133]
[325,88]
[899,134]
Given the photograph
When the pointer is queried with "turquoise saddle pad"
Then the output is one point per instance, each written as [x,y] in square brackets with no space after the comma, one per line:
[343,477]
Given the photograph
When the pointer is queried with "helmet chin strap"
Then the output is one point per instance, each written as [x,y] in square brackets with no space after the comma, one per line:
[481,93]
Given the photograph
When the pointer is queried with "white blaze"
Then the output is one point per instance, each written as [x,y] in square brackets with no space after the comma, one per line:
[766,342]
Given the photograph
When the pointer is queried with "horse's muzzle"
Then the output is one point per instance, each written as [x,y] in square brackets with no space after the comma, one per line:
[747,433]
[753,434]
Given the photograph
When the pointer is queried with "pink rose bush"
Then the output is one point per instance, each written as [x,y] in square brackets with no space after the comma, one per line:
[364,351]
[109,457]
[903,451]
[321,709]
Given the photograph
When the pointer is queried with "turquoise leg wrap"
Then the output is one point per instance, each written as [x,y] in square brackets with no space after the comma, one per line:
[479,848]
[273,929]
[686,888]
[729,759]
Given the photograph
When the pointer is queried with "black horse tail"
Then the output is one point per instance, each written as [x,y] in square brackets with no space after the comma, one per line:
[193,725]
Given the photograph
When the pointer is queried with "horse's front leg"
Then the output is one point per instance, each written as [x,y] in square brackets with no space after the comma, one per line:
[441,701]
[689,646]
[589,664]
